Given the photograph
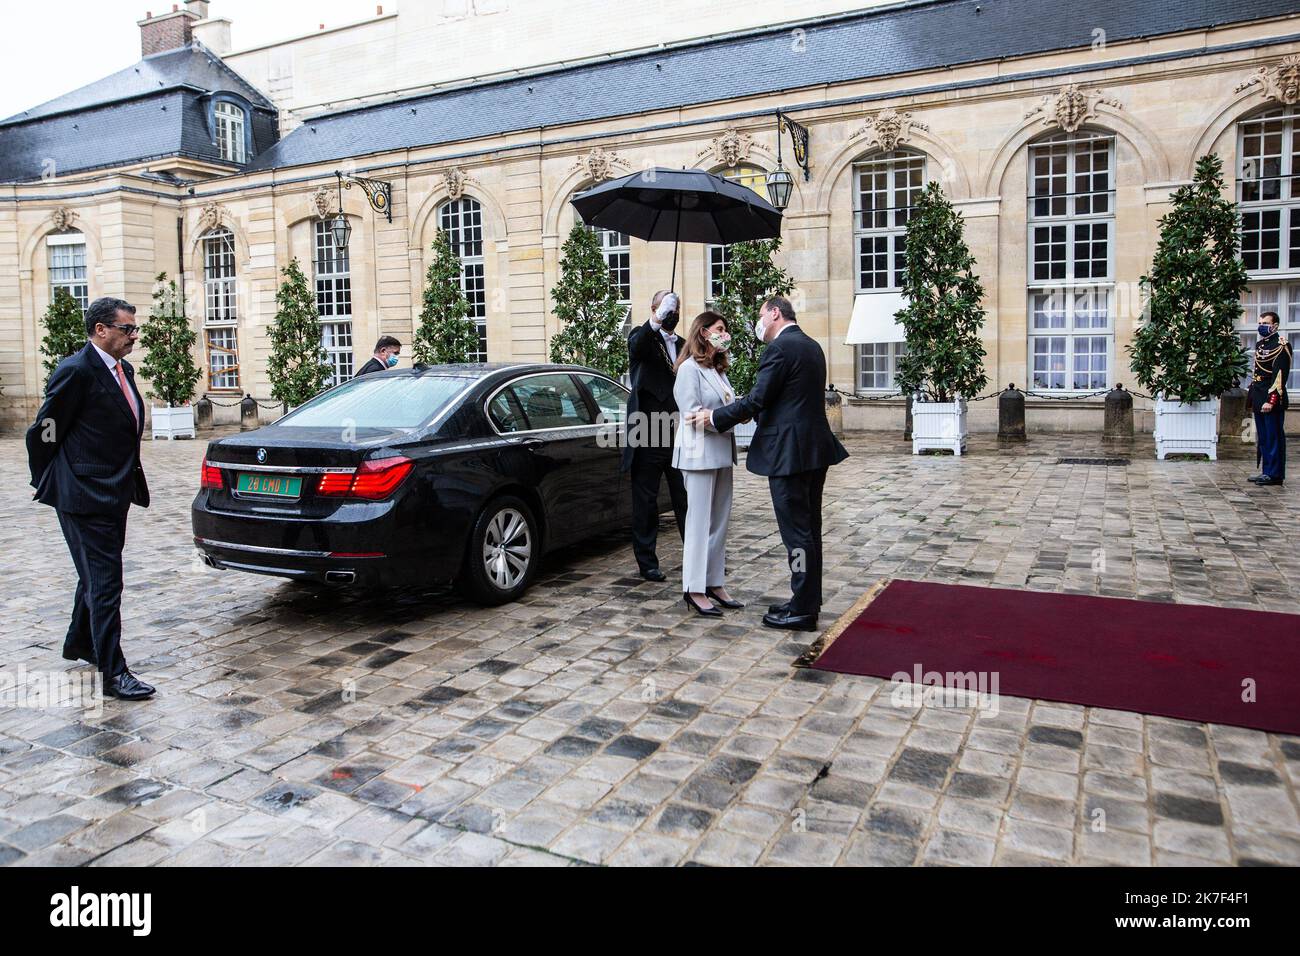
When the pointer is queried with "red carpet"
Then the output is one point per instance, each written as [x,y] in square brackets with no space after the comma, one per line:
[1175,660]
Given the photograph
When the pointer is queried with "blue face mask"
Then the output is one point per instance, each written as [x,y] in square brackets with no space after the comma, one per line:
[392,360]
[1265,330]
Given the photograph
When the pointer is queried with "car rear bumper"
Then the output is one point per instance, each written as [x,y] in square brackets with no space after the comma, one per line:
[362,543]
[321,567]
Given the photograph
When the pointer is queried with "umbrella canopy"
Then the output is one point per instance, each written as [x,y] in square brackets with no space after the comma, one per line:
[687,205]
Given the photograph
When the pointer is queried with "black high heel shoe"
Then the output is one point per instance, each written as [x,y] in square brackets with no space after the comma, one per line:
[729,605]
[702,612]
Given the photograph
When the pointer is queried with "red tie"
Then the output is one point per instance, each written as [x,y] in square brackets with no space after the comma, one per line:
[126,390]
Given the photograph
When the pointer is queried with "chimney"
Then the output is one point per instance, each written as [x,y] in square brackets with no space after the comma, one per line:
[169,31]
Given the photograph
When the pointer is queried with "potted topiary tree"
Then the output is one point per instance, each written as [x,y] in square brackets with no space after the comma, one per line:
[168,363]
[298,367]
[1187,353]
[445,334]
[944,364]
[591,318]
[750,278]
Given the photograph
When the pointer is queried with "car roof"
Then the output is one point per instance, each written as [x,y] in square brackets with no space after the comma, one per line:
[485,370]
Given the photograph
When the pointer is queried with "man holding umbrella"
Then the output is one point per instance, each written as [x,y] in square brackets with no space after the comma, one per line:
[667,205]
[652,351]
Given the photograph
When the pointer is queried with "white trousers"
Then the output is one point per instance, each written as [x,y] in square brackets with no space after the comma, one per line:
[708,512]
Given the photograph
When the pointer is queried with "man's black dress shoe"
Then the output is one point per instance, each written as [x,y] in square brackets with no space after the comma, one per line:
[1266,480]
[791,622]
[729,605]
[126,686]
[76,656]
[1255,477]
[702,611]
[782,608]
[653,574]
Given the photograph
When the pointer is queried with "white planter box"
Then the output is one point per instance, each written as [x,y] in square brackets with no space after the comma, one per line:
[172,423]
[939,425]
[1191,429]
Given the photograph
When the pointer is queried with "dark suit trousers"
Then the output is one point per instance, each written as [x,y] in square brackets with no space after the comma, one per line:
[649,467]
[1270,442]
[96,542]
[797,501]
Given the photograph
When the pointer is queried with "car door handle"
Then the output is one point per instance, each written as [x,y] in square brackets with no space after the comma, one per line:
[533,443]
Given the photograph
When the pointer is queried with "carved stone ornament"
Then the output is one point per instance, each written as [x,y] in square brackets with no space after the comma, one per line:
[63,218]
[888,128]
[323,200]
[1280,82]
[730,149]
[1071,107]
[599,164]
[212,215]
[456,179]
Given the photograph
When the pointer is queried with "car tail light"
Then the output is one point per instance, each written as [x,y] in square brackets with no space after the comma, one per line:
[210,477]
[335,483]
[373,480]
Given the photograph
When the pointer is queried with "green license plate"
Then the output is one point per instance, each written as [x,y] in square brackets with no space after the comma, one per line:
[276,486]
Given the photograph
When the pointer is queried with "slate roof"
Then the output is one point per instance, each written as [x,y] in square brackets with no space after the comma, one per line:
[156,108]
[873,43]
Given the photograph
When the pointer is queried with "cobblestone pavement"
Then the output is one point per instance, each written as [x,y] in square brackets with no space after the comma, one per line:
[595,721]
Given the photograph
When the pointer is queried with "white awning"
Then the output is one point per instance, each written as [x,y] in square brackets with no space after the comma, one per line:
[873,318]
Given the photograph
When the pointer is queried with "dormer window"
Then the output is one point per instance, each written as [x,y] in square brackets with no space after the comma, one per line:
[230,132]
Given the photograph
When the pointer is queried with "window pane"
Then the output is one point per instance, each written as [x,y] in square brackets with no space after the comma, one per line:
[552,401]
[610,398]
[375,401]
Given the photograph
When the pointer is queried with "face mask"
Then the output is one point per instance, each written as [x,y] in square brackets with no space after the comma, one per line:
[760,327]
[391,361]
[669,321]
[720,341]
[1265,330]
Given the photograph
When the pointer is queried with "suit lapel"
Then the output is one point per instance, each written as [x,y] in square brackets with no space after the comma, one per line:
[110,382]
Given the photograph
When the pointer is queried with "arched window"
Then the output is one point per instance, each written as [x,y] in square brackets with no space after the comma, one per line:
[230,122]
[67,264]
[885,190]
[1268,190]
[220,317]
[333,269]
[719,257]
[462,220]
[1071,261]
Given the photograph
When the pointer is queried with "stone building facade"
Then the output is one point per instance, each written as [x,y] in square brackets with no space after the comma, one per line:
[1060,134]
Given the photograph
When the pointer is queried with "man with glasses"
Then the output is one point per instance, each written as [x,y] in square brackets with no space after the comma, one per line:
[84,454]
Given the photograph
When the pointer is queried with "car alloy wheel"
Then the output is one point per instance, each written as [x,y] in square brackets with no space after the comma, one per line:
[507,549]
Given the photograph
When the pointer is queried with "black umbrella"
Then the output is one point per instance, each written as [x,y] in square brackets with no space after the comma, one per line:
[681,205]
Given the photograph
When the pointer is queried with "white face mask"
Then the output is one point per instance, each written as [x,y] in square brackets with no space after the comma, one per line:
[760,327]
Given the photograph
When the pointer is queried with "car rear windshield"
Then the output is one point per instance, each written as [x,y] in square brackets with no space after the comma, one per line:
[379,401]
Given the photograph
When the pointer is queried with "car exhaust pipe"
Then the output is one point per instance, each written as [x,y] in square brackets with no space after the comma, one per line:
[340,577]
[207,559]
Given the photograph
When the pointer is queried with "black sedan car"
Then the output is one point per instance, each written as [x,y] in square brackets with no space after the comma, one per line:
[465,473]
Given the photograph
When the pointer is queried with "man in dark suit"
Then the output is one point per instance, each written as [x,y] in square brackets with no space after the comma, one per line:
[652,353]
[386,351]
[84,454]
[793,446]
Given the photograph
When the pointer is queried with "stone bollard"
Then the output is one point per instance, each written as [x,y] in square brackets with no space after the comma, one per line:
[835,411]
[248,414]
[1233,410]
[1119,414]
[907,421]
[203,414]
[1011,414]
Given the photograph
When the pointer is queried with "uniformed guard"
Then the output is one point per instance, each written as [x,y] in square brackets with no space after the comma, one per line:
[1268,400]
